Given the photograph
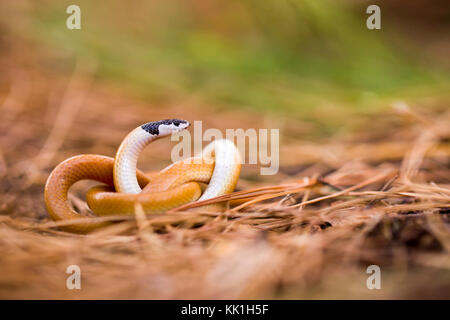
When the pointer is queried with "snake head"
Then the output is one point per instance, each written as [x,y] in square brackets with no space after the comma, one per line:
[165,127]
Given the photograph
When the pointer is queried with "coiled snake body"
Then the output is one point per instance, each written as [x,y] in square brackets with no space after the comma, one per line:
[218,165]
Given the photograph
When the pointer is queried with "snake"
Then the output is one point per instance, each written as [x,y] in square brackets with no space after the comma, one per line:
[217,166]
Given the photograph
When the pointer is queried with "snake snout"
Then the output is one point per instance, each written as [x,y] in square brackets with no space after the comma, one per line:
[181,124]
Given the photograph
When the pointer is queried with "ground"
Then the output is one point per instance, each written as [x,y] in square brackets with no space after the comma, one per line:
[354,189]
[378,196]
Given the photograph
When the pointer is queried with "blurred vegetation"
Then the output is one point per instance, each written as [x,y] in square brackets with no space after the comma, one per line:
[305,58]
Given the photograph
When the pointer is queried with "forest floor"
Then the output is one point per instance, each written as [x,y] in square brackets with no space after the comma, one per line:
[377,195]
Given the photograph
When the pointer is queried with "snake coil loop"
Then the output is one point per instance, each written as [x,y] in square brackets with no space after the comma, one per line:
[218,166]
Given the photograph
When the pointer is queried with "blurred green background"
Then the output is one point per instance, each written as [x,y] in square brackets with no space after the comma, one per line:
[310,59]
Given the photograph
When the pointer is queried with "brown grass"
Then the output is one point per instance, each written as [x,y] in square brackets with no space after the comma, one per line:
[378,196]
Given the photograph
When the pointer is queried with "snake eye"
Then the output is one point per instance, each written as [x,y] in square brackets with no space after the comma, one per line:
[182,124]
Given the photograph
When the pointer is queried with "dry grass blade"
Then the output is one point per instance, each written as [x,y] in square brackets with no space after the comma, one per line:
[256,194]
